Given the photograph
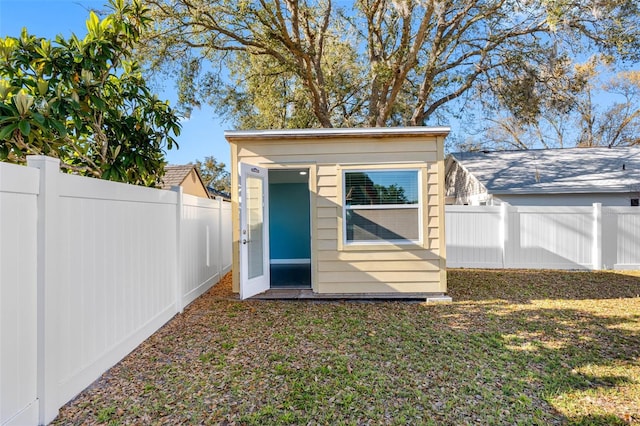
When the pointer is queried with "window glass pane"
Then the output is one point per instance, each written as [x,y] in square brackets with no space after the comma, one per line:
[382,224]
[381,187]
[255,224]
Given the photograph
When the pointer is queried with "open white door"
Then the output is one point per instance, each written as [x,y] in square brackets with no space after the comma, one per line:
[254,230]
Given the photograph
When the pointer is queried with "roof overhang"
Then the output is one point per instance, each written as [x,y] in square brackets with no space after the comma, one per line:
[358,132]
[561,191]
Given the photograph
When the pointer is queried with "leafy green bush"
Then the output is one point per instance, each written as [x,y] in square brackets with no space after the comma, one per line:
[85,102]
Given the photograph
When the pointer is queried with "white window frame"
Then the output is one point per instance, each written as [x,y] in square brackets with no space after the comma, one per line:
[417,207]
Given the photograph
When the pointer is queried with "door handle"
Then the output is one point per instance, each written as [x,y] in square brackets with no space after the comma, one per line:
[245,241]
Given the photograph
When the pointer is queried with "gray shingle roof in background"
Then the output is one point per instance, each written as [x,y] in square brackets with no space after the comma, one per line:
[174,175]
[569,170]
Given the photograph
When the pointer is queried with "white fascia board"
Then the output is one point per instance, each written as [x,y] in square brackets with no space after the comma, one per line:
[337,132]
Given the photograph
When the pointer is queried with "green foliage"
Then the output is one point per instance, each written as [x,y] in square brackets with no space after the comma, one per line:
[85,101]
[570,117]
[392,194]
[361,190]
[273,64]
[213,174]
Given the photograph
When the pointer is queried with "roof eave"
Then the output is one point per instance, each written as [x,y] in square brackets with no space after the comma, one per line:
[375,132]
[525,191]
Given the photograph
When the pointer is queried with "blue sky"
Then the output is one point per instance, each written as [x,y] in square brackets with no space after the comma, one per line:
[202,135]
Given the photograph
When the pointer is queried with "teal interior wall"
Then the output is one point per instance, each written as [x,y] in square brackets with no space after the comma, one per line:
[289,216]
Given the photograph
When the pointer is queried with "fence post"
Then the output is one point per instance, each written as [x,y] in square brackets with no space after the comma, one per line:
[596,245]
[47,273]
[179,219]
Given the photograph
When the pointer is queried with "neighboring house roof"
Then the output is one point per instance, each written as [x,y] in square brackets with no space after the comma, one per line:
[175,175]
[568,170]
[215,193]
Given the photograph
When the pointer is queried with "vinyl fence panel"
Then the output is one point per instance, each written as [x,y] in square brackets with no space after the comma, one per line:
[623,227]
[18,294]
[201,259]
[88,270]
[549,237]
[474,237]
[226,238]
[116,282]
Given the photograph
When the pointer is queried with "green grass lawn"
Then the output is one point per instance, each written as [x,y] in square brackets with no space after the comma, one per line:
[515,347]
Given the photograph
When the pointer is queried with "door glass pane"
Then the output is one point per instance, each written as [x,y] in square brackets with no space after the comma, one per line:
[255,221]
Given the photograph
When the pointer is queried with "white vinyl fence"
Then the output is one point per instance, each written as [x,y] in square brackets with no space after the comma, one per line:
[551,237]
[88,270]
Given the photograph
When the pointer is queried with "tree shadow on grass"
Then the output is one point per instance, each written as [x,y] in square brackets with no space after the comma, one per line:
[479,361]
[525,285]
[608,420]
[577,366]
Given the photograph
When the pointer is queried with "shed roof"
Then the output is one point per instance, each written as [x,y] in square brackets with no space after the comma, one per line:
[568,170]
[380,132]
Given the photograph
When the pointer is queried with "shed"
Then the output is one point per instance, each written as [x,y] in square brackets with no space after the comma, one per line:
[339,212]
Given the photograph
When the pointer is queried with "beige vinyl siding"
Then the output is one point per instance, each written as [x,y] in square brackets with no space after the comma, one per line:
[235,220]
[327,223]
[386,256]
[442,249]
[373,286]
[322,148]
[387,265]
[360,268]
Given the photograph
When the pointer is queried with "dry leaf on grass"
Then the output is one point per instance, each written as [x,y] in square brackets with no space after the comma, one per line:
[516,347]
